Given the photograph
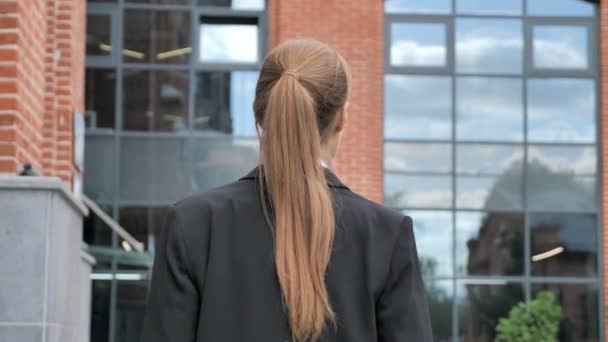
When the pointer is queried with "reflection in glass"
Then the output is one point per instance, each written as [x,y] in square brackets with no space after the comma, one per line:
[99,180]
[224,102]
[561,110]
[481,306]
[508,7]
[155,100]
[143,223]
[560,192]
[156,37]
[489,109]
[493,46]
[154,169]
[99,40]
[560,8]
[416,44]
[417,191]
[163,170]
[235,4]
[488,159]
[130,308]
[100,310]
[418,6]
[578,160]
[417,157]
[217,162]
[579,307]
[228,43]
[490,192]
[100,98]
[564,245]
[489,243]
[433,233]
[417,107]
[560,47]
[440,298]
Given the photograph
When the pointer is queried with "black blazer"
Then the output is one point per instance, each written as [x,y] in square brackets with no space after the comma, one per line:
[214,278]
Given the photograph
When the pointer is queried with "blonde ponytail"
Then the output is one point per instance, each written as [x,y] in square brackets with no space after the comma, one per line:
[295,106]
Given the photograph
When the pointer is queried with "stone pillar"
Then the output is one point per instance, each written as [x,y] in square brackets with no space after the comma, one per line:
[43,274]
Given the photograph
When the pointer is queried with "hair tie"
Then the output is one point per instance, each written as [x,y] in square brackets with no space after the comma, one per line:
[291,74]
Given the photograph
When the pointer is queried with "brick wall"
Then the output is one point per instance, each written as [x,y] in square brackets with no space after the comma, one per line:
[41,83]
[356,31]
[604,145]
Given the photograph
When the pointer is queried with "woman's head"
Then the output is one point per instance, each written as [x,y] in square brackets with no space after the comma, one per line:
[300,108]
[322,76]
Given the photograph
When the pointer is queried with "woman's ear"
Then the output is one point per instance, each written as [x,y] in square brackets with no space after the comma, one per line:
[342,118]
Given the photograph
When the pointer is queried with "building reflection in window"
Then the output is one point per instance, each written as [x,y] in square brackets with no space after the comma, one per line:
[481,306]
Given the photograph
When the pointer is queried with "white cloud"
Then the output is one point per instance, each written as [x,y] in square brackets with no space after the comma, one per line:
[411,53]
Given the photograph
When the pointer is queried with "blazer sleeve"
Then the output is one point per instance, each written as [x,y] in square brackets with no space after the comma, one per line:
[173,299]
[402,310]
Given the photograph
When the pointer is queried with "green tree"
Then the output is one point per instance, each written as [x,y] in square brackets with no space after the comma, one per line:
[538,322]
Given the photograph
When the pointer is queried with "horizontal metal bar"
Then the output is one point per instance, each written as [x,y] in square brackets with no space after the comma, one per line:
[138,246]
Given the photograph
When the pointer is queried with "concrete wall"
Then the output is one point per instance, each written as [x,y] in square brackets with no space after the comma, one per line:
[41,265]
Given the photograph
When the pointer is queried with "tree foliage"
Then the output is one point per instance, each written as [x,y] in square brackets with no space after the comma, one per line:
[538,322]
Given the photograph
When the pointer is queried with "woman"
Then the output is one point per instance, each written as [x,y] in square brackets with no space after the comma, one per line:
[288,252]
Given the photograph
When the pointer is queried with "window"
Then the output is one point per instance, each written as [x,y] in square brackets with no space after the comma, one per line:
[490,145]
[169,92]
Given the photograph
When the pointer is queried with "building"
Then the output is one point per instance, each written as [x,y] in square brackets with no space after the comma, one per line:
[483,120]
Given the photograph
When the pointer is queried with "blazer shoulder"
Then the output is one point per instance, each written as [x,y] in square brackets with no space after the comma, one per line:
[355,204]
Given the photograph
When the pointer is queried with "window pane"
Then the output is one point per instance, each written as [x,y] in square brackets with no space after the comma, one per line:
[418,6]
[489,109]
[224,102]
[488,192]
[417,107]
[144,223]
[161,2]
[100,310]
[563,159]
[217,162]
[491,46]
[99,40]
[434,235]
[481,306]
[564,245]
[489,244]
[417,191]
[157,37]
[505,7]
[235,4]
[95,231]
[154,169]
[99,161]
[161,170]
[420,45]
[130,308]
[486,159]
[560,8]
[155,100]
[100,98]
[561,110]
[412,157]
[440,298]
[561,47]
[560,192]
[228,43]
[579,308]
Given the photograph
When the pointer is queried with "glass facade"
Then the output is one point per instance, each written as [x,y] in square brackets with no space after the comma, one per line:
[169,92]
[490,144]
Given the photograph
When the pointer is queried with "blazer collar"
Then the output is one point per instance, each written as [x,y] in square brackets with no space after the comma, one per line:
[332,180]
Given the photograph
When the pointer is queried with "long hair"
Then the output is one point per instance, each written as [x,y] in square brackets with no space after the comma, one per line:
[303,85]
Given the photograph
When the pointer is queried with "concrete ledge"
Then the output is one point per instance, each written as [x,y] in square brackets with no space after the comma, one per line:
[42,183]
